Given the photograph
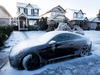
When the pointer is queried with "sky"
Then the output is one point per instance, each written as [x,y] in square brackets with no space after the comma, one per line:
[90,7]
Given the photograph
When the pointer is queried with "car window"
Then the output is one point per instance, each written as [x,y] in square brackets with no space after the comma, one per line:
[75,36]
[62,37]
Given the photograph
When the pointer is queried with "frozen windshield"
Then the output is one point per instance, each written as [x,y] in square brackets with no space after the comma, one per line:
[45,38]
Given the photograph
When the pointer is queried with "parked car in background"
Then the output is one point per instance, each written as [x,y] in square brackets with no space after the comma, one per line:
[51,46]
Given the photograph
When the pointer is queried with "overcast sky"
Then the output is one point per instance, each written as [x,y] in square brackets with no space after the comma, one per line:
[90,7]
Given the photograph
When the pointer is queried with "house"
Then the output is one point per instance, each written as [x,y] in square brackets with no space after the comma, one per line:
[55,14]
[76,17]
[27,15]
[5,17]
[94,23]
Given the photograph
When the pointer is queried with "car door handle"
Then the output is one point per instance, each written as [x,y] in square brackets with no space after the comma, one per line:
[71,43]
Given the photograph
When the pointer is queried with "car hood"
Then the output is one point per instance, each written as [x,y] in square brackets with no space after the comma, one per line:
[23,45]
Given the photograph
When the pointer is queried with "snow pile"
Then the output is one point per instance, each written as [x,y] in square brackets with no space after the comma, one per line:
[65,27]
[78,29]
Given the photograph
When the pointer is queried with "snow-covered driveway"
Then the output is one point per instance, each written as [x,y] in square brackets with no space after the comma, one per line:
[89,65]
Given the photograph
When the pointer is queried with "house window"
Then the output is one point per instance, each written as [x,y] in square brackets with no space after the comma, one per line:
[79,15]
[53,13]
[32,22]
[29,11]
[35,11]
[74,14]
[21,10]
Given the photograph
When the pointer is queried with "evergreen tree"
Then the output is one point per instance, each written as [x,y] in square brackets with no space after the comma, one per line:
[43,23]
[98,15]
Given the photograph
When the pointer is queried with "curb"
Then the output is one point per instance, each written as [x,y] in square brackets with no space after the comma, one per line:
[4,63]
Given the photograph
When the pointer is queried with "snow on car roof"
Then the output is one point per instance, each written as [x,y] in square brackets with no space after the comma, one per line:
[47,36]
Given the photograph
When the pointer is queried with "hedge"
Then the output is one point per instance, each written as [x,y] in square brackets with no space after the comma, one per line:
[5,31]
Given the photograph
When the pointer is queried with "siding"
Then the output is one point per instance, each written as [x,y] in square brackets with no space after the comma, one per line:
[3,14]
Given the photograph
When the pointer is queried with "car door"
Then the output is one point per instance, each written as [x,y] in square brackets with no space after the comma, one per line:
[47,52]
[64,45]
[77,43]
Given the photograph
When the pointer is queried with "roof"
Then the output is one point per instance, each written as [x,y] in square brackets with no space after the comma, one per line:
[29,17]
[55,10]
[4,9]
[94,19]
[74,10]
[59,7]
[33,17]
[83,18]
[52,34]
[22,14]
[91,19]
[18,4]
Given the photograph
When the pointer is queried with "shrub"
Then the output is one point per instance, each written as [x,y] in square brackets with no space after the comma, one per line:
[52,26]
[31,28]
[3,37]
[5,31]
[43,23]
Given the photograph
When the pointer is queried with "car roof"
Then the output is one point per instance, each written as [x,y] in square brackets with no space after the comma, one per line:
[47,36]
[60,32]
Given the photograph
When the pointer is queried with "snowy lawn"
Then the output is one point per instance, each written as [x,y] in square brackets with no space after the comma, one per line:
[89,65]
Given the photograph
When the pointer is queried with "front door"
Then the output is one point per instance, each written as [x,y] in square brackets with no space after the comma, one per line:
[21,24]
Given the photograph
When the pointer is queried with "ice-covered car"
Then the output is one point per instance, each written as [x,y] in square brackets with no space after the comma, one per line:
[51,46]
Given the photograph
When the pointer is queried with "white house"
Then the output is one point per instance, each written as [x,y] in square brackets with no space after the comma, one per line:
[57,13]
[5,17]
[27,14]
[77,17]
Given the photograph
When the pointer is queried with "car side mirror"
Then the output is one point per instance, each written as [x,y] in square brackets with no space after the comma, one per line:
[52,42]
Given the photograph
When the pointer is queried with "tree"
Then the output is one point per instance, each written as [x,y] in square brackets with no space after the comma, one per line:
[98,15]
[43,23]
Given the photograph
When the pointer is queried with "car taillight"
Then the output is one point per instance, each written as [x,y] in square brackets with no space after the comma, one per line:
[90,41]
[20,51]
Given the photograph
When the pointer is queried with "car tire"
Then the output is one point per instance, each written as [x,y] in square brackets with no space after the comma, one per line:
[30,62]
[84,51]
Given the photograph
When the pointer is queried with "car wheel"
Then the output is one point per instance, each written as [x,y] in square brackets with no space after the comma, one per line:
[84,51]
[30,62]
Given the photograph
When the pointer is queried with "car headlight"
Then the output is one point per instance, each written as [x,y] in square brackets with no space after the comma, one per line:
[13,53]
[20,51]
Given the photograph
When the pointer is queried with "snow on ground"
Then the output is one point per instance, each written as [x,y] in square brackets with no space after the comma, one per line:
[89,65]
[18,36]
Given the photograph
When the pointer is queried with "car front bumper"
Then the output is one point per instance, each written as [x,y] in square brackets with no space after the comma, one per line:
[14,62]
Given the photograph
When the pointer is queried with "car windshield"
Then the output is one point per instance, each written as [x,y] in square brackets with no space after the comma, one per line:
[46,37]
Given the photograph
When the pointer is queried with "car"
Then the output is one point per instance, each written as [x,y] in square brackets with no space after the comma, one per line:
[51,46]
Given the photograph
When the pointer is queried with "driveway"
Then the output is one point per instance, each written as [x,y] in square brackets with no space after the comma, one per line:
[89,65]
